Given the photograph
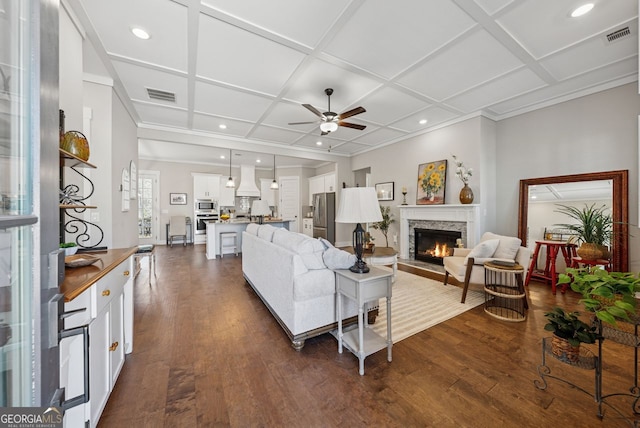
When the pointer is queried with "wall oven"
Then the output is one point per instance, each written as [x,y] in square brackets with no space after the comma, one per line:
[202,220]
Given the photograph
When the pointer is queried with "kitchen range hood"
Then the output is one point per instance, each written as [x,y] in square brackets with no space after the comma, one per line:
[247,185]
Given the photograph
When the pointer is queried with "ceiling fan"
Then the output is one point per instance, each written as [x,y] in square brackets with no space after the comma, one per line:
[329,121]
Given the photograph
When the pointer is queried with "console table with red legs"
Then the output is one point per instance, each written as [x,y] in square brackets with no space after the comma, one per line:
[549,273]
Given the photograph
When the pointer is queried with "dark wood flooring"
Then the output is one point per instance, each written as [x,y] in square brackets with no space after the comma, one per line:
[207,352]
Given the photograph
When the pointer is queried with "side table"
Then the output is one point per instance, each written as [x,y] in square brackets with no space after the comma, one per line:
[363,288]
[505,295]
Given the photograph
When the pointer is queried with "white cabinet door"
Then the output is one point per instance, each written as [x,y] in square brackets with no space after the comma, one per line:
[227,194]
[116,334]
[330,183]
[99,373]
[206,186]
[307,226]
[316,185]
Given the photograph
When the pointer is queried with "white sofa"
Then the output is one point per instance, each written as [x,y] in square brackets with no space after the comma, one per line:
[466,265]
[288,272]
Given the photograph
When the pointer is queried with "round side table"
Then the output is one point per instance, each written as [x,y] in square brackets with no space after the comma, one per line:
[505,296]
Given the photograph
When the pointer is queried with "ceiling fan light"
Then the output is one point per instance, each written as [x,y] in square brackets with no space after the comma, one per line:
[328,126]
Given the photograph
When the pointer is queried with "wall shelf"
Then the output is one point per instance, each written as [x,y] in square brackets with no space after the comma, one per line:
[70,160]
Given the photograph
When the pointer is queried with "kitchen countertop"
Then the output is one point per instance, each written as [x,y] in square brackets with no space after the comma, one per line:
[77,280]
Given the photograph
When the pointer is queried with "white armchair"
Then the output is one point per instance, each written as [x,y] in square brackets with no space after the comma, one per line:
[466,265]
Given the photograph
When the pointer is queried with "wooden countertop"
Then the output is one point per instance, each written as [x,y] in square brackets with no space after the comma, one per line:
[77,280]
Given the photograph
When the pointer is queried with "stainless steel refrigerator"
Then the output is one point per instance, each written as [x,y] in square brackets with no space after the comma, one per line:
[324,216]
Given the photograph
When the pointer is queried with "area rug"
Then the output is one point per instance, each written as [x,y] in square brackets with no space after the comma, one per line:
[418,303]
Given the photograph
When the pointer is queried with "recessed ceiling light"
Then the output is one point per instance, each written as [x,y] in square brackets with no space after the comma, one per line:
[258,161]
[222,126]
[318,143]
[585,8]
[140,33]
[221,156]
[422,121]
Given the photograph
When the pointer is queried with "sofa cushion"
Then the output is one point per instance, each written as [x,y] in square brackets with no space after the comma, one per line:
[309,249]
[335,258]
[483,250]
[265,231]
[252,228]
[327,245]
[507,248]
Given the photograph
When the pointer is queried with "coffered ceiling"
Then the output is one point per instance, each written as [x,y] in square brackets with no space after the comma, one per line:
[250,64]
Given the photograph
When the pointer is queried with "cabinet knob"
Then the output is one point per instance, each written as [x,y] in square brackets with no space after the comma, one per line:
[113,346]
[106,293]
[126,273]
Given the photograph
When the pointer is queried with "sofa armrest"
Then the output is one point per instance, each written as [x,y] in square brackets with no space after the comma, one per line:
[523,257]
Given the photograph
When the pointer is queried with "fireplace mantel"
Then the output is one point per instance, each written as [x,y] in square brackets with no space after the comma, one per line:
[469,214]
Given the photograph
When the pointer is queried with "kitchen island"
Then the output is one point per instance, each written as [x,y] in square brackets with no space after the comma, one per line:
[214,228]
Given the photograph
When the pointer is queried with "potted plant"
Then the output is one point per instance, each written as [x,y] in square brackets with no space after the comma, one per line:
[383,225]
[70,248]
[609,295]
[569,332]
[593,229]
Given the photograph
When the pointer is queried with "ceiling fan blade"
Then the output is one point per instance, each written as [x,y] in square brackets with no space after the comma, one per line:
[352,125]
[301,123]
[313,110]
[350,113]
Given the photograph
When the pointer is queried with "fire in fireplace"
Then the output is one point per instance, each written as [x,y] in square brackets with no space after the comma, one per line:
[432,245]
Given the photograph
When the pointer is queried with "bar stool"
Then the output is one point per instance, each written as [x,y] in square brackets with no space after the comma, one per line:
[147,251]
[234,246]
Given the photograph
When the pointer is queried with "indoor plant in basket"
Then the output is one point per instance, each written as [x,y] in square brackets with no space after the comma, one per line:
[610,295]
[593,229]
[569,332]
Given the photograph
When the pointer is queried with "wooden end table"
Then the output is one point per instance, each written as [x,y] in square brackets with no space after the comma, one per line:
[362,288]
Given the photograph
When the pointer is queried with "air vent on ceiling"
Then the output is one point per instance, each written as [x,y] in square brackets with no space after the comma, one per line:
[618,34]
[156,94]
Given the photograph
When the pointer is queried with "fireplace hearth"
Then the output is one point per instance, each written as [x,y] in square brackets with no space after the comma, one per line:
[432,245]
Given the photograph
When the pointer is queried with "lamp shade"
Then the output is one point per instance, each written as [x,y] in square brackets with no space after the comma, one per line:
[358,205]
[260,207]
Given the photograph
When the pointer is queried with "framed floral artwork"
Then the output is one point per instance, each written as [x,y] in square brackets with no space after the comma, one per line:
[431,183]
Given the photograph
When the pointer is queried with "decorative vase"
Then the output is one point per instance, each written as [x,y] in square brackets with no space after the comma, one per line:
[76,143]
[562,349]
[466,194]
[589,251]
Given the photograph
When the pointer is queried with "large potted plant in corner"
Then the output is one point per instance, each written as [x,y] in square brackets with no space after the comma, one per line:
[383,225]
[569,332]
[611,296]
[593,229]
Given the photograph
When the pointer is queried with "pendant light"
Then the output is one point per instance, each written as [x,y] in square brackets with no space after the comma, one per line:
[230,182]
[274,183]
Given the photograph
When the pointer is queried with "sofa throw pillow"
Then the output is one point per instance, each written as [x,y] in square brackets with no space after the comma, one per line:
[265,232]
[327,245]
[336,258]
[483,250]
[310,250]
[507,248]
[252,228]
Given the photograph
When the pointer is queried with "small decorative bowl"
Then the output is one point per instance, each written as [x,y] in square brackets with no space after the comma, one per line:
[70,251]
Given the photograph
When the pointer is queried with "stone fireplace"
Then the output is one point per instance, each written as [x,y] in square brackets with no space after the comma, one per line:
[432,245]
[462,219]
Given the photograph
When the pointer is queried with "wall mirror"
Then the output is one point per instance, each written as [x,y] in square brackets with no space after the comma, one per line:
[599,184]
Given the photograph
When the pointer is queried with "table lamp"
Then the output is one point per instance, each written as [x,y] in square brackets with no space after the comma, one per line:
[358,205]
[260,208]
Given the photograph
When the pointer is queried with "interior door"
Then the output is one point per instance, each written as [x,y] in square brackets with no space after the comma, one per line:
[148,207]
[290,201]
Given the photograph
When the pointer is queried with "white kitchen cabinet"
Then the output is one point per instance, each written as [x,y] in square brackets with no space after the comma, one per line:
[107,321]
[307,226]
[206,186]
[227,194]
[325,183]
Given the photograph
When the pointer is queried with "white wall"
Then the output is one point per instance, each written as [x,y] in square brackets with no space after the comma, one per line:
[399,163]
[598,132]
